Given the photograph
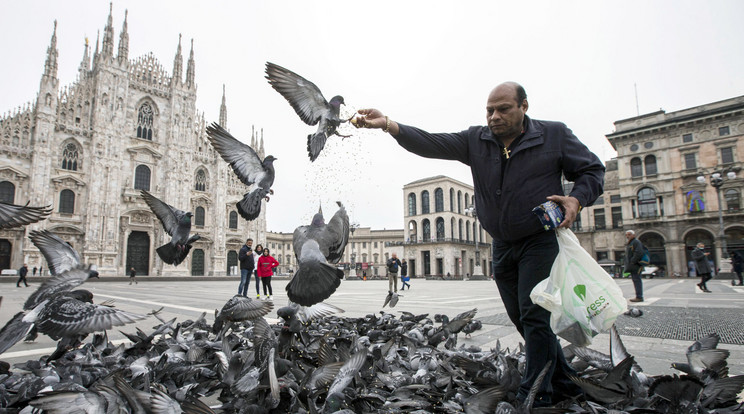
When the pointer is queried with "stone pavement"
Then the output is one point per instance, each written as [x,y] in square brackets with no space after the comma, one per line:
[675,311]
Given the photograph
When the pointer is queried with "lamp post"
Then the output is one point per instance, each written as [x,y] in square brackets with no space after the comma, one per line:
[352,270]
[716,180]
[477,271]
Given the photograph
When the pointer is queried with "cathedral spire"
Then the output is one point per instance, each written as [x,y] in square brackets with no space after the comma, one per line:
[85,63]
[124,41]
[107,49]
[262,146]
[223,110]
[50,66]
[95,51]
[190,68]
[177,78]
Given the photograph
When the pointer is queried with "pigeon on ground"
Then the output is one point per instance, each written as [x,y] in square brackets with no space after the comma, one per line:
[238,309]
[634,312]
[12,215]
[317,248]
[310,105]
[177,224]
[704,359]
[296,316]
[613,388]
[247,166]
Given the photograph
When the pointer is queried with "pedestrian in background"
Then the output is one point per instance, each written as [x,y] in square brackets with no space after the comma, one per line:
[702,266]
[247,264]
[633,255]
[132,274]
[34,271]
[257,255]
[393,264]
[265,269]
[404,275]
[738,266]
[22,272]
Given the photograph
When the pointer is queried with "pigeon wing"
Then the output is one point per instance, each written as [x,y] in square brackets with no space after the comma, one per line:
[336,235]
[59,255]
[167,214]
[13,331]
[12,215]
[239,308]
[303,95]
[243,159]
[63,282]
[66,317]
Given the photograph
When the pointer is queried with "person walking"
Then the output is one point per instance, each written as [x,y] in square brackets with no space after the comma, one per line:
[702,266]
[256,255]
[633,255]
[737,263]
[404,275]
[132,274]
[22,272]
[516,163]
[34,271]
[247,264]
[393,264]
[265,269]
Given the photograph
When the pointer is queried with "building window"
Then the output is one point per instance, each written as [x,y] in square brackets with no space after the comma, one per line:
[467,200]
[438,200]
[636,167]
[452,228]
[425,202]
[732,200]
[727,155]
[459,227]
[233,221]
[602,255]
[690,161]
[412,204]
[576,226]
[467,231]
[375,247]
[687,138]
[201,181]
[70,157]
[142,178]
[599,200]
[615,198]
[427,229]
[647,203]
[648,145]
[459,203]
[144,122]
[617,217]
[364,245]
[440,229]
[599,219]
[634,147]
[7,192]
[67,202]
[650,162]
[722,131]
[452,200]
[412,231]
[199,216]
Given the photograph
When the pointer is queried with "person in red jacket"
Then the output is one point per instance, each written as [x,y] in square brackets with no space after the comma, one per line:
[264,270]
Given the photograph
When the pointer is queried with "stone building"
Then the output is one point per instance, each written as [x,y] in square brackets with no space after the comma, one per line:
[88,149]
[661,186]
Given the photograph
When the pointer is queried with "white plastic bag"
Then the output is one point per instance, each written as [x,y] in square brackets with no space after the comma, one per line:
[582,298]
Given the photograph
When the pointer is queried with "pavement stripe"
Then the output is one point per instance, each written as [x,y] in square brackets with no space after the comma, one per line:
[43,351]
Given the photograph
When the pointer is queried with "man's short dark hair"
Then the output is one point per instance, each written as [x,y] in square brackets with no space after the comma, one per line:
[521,94]
[249,239]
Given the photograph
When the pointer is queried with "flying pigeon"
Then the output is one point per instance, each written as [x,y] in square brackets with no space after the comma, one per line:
[247,166]
[238,309]
[12,215]
[310,105]
[177,224]
[317,248]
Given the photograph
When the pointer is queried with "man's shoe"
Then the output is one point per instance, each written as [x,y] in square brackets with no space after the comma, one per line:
[636,300]
[700,285]
[271,298]
[708,291]
[258,296]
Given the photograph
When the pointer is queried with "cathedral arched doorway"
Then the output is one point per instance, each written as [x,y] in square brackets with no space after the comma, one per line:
[197,262]
[654,242]
[232,260]
[735,239]
[138,253]
[5,249]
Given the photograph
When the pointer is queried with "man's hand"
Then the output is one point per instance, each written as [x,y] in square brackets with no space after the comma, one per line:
[374,119]
[570,208]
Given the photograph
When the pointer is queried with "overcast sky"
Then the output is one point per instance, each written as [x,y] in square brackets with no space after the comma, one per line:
[425,63]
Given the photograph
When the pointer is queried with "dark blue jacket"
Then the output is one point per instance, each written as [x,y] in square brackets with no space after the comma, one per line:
[532,172]
[246,258]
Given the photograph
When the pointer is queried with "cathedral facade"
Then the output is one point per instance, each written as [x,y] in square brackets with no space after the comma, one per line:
[87,149]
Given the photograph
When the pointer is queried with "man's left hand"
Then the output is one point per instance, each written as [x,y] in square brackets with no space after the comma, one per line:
[570,209]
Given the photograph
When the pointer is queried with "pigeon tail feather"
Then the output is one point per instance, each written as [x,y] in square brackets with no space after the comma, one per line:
[250,206]
[313,283]
[173,255]
[315,144]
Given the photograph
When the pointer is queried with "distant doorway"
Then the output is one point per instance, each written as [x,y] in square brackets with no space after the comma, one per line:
[232,260]
[5,249]
[197,262]
[138,253]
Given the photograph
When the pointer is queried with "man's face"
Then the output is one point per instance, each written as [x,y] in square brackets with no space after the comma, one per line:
[629,236]
[701,246]
[249,243]
[503,114]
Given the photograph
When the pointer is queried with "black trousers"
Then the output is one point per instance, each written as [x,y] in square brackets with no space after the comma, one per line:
[518,267]
[21,278]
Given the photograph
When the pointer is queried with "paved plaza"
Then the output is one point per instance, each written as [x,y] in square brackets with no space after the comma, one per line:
[675,312]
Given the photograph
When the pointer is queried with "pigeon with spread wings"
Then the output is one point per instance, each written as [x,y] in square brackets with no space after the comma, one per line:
[247,166]
[177,224]
[12,215]
[310,105]
[318,247]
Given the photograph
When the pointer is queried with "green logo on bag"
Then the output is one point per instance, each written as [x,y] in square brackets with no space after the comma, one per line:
[580,291]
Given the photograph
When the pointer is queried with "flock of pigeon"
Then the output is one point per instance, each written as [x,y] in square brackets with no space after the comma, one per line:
[312,361]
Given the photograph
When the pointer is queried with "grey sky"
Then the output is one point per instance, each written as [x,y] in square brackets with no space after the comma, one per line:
[424,63]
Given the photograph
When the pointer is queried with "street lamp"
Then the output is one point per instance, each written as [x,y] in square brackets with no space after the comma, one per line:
[477,271]
[716,180]
[352,270]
